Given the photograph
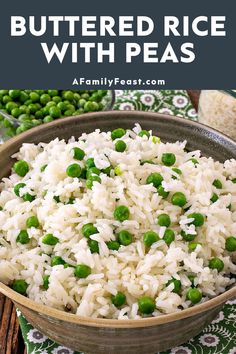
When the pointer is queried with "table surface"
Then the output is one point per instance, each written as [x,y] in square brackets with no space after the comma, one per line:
[11,341]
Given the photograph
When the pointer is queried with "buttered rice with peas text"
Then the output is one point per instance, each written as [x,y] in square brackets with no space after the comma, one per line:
[118,225]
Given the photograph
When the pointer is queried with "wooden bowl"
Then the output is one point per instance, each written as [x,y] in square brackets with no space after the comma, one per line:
[104,336]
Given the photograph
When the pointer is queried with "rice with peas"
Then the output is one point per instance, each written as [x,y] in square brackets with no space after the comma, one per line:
[142,268]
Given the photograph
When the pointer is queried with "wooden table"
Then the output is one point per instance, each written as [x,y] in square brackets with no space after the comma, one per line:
[11,341]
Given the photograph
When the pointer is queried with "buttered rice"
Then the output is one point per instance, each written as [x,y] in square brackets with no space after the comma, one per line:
[122,230]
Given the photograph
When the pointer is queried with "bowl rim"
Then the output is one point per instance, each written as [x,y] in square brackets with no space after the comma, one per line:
[114,323]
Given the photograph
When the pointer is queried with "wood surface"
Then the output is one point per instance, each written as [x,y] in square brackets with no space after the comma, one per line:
[11,341]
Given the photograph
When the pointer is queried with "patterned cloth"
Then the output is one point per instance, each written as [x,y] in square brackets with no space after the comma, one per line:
[220,336]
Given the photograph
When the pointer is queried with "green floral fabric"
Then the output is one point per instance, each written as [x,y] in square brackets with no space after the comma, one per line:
[217,338]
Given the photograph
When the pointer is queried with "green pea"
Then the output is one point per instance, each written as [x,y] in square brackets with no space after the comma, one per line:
[177,170]
[83,173]
[23,97]
[194,295]
[113,245]
[168,159]
[27,197]
[144,133]
[146,305]
[192,279]
[169,236]
[44,99]
[56,99]
[91,180]
[163,220]
[68,95]
[23,237]
[21,168]
[216,263]
[161,191]
[43,168]
[73,170]
[34,96]
[155,178]
[14,93]
[187,237]
[125,238]
[121,213]
[214,198]
[146,161]
[233,180]
[47,119]
[177,285]
[93,245]
[78,154]
[150,237]
[217,183]
[89,229]
[46,282]
[62,106]
[82,271]
[117,133]
[53,93]
[107,170]
[10,106]
[57,260]
[6,99]
[16,112]
[120,146]
[178,199]
[199,219]
[119,299]
[192,246]
[92,171]
[18,187]
[55,112]
[49,239]
[230,244]
[194,161]
[20,286]
[90,163]
[32,221]
[91,106]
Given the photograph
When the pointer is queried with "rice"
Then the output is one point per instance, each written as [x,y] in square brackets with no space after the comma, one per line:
[134,270]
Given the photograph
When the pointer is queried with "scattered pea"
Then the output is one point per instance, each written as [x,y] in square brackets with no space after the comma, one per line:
[150,237]
[187,237]
[161,191]
[125,238]
[57,260]
[117,133]
[46,282]
[119,299]
[120,146]
[163,220]
[78,153]
[146,305]
[23,237]
[178,199]
[144,133]
[49,239]
[27,197]
[93,245]
[230,244]
[214,198]
[194,295]
[82,271]
[21,168]
[32,221]
[91,180]
[90,163]
[20,286]
[177,285]
[216,263]
[217,183]
[92,171]
[73,170]
[155,178]
[169,236]
[168,159]
[121,213]
[192,246]
[88,230]
[113,245]
[199,219]
[18,187]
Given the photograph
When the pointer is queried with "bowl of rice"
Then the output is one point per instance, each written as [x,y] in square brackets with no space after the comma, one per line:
[118,229]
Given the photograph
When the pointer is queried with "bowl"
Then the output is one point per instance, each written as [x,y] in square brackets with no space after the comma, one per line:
[146,335]
[9,124]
